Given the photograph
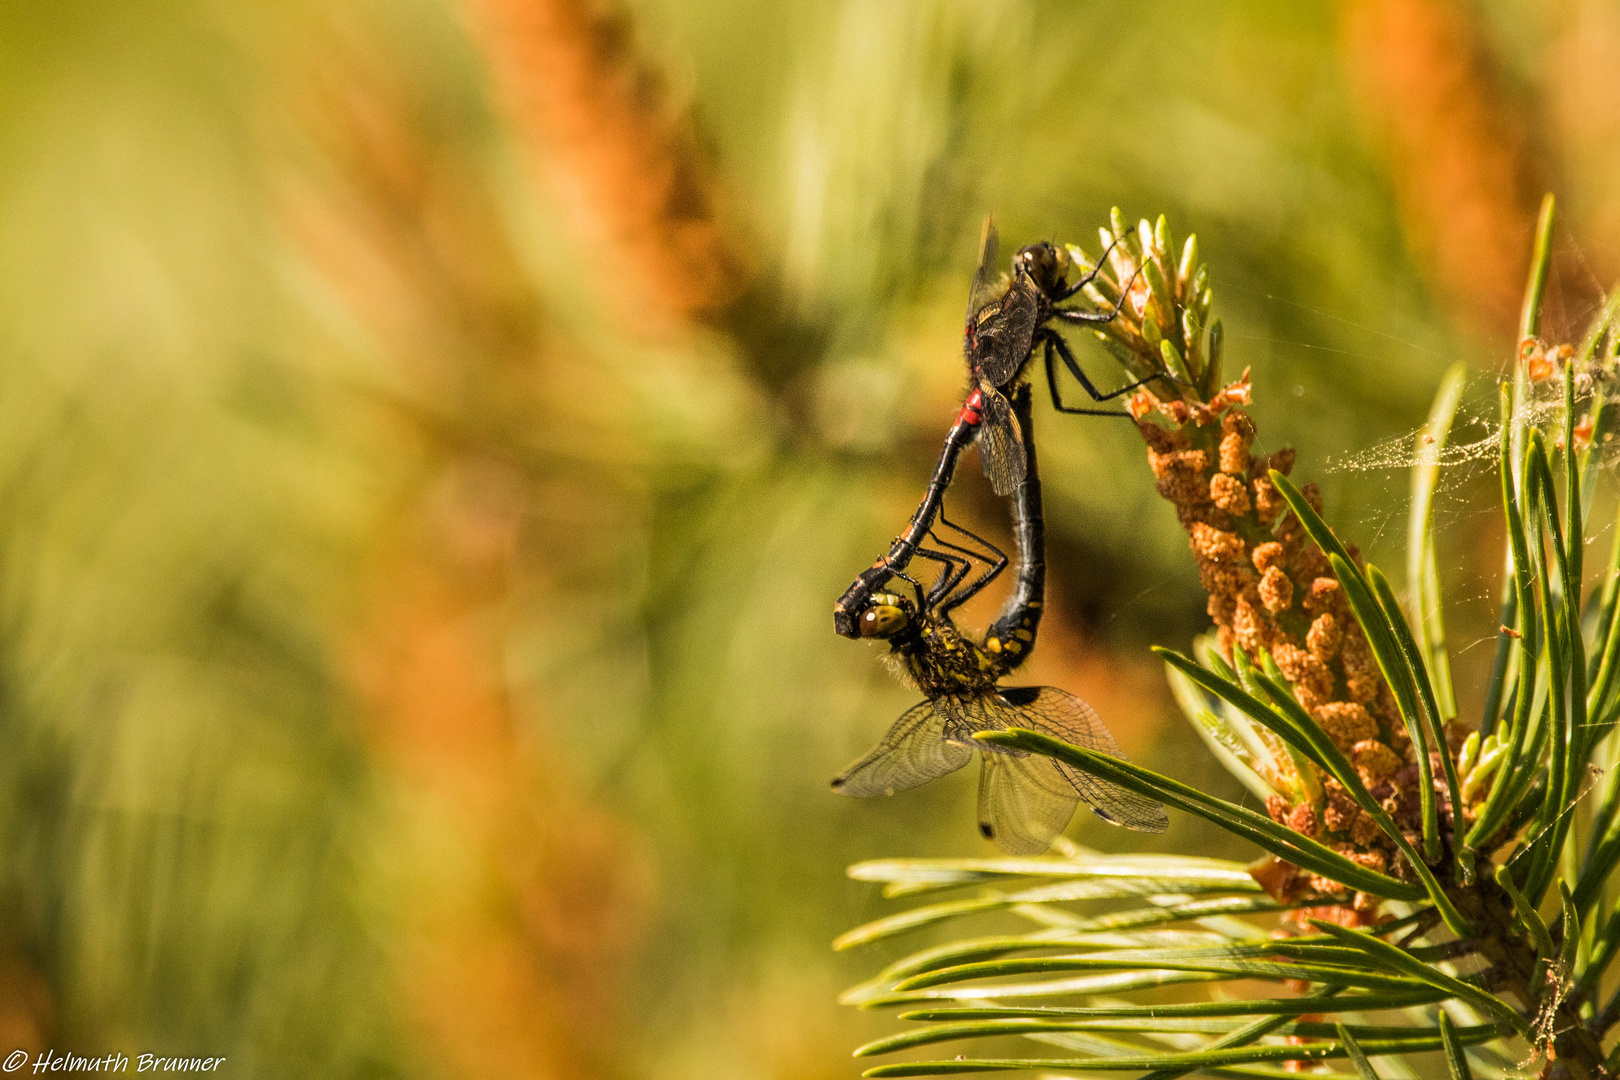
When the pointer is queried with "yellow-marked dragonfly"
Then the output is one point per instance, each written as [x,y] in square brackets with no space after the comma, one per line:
[1025,800]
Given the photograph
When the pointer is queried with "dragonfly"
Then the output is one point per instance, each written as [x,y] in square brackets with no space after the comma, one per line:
[1006,323]
[1025,800]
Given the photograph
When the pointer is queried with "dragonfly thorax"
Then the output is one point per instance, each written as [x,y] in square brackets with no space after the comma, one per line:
[943,661]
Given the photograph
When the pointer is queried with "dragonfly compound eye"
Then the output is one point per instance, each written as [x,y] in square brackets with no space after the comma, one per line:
[883,620]
[1045,264]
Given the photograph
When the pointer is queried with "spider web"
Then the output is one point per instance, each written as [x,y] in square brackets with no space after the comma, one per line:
[1475,436]
[1465,499]
[1376,499]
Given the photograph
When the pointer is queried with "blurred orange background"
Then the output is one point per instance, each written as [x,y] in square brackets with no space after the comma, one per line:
[432,437]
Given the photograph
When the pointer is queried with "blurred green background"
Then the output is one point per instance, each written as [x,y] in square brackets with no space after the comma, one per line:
[432,437]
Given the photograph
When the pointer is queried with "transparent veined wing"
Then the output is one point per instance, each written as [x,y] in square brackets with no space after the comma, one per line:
[1061,715]
[1002,333]
[913,752]
[1001,444]
[985,277]
[1017,807]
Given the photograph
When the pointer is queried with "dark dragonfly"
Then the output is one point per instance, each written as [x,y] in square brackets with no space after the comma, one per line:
[1005,324]
[1025,800]
[909,543]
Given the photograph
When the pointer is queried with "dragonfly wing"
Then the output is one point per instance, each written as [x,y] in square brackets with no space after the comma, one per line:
[984,275]
[1001,443]
[1061,715]
[1005,330]
[1017,808]
[913,752]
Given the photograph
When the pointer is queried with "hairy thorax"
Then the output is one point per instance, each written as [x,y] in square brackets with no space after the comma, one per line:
[941,660]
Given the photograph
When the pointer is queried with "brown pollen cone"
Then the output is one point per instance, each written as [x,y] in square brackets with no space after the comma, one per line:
[1271,591]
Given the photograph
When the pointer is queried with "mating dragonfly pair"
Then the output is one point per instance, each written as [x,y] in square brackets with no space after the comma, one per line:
[1025,800]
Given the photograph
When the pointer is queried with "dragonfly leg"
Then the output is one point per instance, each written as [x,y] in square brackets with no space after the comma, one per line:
[1097,318]
[995,564]
[1089,278]
[1054,346]
[916,586]
[955,569]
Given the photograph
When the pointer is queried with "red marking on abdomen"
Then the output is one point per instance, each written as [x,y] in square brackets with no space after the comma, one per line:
[970,408]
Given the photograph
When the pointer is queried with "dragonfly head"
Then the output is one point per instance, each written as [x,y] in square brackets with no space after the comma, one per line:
[859,596]
[1046,264]
[885,616]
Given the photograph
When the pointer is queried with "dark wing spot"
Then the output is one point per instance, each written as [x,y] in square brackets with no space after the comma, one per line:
[987,830]
[1019,696]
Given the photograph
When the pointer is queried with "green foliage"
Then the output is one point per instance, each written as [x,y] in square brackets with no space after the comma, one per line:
[1465,958]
